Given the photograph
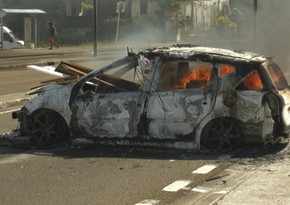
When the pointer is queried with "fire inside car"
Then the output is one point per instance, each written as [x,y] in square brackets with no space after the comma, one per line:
[181,96]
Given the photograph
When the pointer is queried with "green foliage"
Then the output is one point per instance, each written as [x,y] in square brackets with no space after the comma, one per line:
[88,4]
[175,5]
[170,5]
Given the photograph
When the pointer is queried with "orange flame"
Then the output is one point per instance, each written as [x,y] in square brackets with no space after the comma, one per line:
[226,69]
[201,73]
[253,82]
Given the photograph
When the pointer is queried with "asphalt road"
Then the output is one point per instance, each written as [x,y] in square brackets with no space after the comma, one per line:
[98,175]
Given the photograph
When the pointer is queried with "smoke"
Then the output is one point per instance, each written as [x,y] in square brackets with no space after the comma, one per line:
[147,36]
[266,32]
[273,30]
[148,32]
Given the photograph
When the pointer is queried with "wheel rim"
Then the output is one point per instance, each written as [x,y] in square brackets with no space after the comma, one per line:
[222,134]
[47,129]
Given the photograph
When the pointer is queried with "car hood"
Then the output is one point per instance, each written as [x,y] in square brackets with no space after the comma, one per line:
[49,88]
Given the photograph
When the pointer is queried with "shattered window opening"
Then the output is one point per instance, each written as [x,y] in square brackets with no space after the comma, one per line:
[226,69]
[184,75]
[251,82]
[277,76]
[120,79]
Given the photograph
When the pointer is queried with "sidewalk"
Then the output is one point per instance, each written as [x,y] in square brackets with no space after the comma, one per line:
[24,52]
[269,184]
[81,49]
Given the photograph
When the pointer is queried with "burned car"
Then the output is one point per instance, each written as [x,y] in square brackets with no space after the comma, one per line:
[181,96]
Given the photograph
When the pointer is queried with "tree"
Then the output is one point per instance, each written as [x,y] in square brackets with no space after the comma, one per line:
[174,16]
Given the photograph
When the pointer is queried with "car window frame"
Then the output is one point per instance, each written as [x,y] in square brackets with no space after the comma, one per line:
[266,65]
[184,60]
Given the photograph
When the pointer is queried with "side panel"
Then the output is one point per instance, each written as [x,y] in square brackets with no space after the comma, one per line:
[256,116]
[106,115]
[286,109]
[174,115]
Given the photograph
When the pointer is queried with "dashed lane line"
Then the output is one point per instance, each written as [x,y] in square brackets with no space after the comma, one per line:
[148,202]
[177,185]
[205,169]
[183,185]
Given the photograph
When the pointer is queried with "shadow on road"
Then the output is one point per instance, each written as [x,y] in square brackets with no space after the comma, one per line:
[11,146]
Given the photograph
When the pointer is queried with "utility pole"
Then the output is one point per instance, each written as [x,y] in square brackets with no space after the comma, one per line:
[192,16]
[2,14]
[120,8]
[256,18]
[95,26]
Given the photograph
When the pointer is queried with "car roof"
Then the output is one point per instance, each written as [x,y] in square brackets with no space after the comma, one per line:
[188,51]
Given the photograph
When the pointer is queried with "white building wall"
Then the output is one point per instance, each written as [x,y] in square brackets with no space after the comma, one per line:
[206,12]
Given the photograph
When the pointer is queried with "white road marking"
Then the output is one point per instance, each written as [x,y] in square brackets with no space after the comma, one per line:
[148,202]
[204,169]
[176,186]
[8,111]
[16,158]
[200,190]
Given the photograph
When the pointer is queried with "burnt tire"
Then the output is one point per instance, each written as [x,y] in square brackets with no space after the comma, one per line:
[47,128]
[222,134]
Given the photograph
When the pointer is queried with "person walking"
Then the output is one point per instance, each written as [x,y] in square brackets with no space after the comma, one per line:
[52,35]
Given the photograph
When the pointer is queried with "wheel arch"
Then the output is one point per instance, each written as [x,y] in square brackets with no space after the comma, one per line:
[207,121]
[61,117]
[43,110]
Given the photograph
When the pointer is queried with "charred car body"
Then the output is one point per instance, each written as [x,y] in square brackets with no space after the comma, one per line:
[182,96]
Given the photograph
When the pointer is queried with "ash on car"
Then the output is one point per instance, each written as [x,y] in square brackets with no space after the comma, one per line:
[182,96]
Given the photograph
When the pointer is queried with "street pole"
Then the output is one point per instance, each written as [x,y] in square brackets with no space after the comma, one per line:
[2,14]
[95,26]
[192,16]
[118,11]
[2,37]
[256,18]
[117,30]
[35,32]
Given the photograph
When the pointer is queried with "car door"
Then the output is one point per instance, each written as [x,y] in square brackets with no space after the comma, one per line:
[107,115]
[106,106]
[181,96]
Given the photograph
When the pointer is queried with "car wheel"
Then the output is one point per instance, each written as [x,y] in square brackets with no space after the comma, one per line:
[222,134]
[47,128]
